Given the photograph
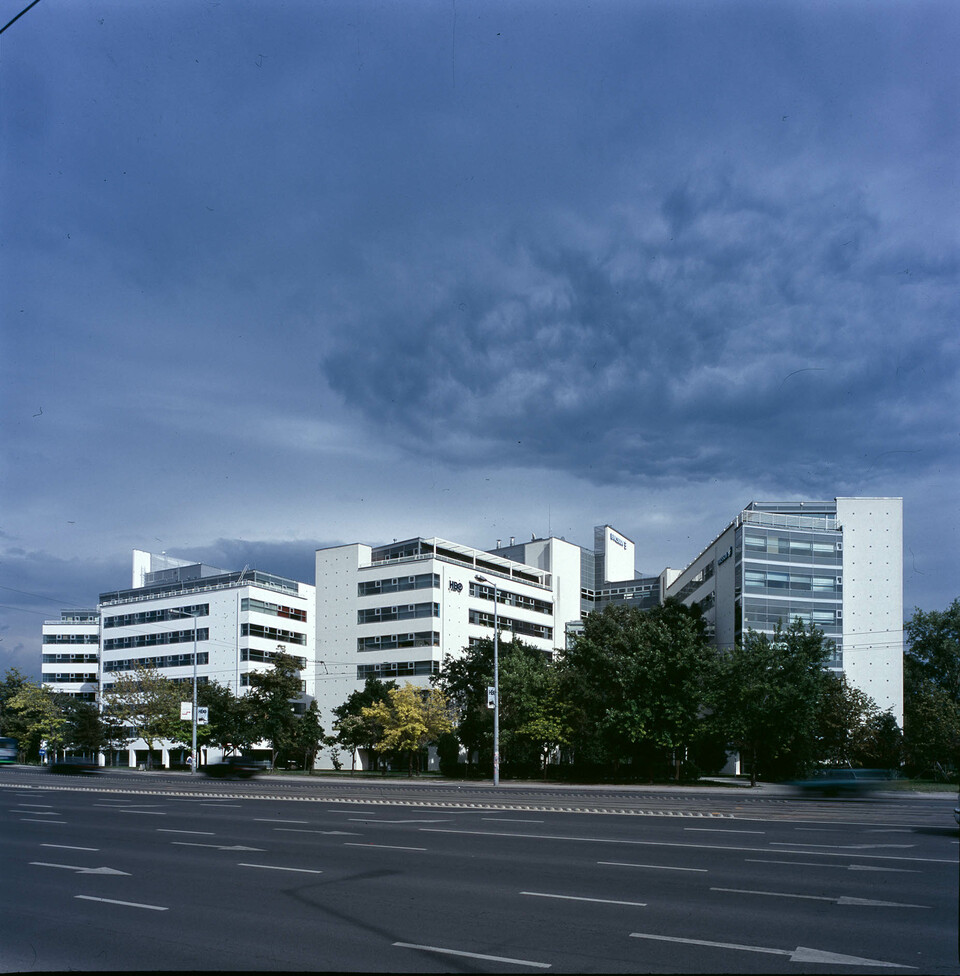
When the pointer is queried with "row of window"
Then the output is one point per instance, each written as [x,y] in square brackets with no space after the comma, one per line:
[389,670]
[71,658]
[483,619]
[246,681]
[149,640]
[510,599]
[252,654]
[424,581]
[71,638]
[792,545]
[69,678]
[781,580]
[201,680]
[272,633]
[424,638]
[411,611]
[166,661]
[156,616]
[475,641]
[274,609]
[764,616]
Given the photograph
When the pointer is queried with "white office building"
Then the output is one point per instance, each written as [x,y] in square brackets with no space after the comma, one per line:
[395,611]
[837,565]
[70,662]
[237,621]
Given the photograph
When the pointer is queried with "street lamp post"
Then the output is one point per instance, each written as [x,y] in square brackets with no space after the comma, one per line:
[193,711]
[496,683]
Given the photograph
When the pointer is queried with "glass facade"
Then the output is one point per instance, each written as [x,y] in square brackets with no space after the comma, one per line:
[790,566]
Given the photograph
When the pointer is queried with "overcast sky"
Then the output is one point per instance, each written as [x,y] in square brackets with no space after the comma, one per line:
[284,275]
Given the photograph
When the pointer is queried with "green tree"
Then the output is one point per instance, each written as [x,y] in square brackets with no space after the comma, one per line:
[883,747]
[83,728]
[42,722]
[308,736]
[933,648]
[355,731]
[413,718]
[142,704]
[13,723]
[844,721]
[931,680]
[231,725]
[767,696]
[637,682]
[272,703]
[533,717]
[931,731]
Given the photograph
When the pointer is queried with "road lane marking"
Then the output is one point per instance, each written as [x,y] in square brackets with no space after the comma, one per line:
[841,900]
[723,830]
[217,847]
[274,820]
[371,820]
[61,823]
[127,904]
[277,867]
[38,813]
[146,813]
[386,847]
[473,955]
[36,806]
[599,901]
[845,847]
[68,847]
[80,870]
[511,820]
[173,830]
[655,867]
[842,867]
[800,954]
[302,830]
[696,847]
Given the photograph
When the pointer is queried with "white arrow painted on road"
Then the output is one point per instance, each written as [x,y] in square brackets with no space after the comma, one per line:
[78,869]
[800,954]
[839,867]
[217,847]
[838,899]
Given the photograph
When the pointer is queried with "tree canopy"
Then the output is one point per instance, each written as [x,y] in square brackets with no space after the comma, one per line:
[636,682]
[767,696]
[931,687]
[411,719]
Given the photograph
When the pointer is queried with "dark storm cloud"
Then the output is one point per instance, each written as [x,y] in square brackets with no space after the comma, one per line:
[735,324]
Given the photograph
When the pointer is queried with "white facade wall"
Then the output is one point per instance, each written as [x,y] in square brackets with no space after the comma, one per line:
[455,591]
[224,644]
[619,557]
[70,661]
[873,598]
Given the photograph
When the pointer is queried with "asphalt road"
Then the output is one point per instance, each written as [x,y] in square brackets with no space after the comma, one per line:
[120,871]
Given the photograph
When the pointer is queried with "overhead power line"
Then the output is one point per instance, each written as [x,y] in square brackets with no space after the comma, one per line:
[19,15]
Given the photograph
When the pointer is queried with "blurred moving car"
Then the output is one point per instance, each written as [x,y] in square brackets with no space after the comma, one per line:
[8,749]
[844,781]
[74,764]
[239,767]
